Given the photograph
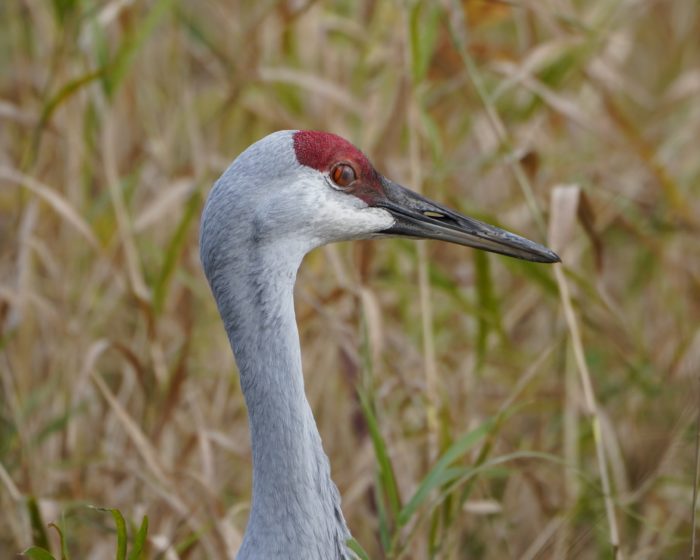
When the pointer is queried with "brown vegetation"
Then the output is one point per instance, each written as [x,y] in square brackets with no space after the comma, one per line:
[574,120]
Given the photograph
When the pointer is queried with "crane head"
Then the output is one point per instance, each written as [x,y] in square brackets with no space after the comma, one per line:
[315,188]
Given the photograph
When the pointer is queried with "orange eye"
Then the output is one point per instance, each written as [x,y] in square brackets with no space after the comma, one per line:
[342,175]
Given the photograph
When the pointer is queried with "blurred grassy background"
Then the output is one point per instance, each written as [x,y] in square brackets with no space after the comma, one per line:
[574,119]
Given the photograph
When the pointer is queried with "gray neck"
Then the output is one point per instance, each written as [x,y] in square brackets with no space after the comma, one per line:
[295,506]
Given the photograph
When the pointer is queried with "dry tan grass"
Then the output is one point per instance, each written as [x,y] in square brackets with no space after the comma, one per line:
[118,387]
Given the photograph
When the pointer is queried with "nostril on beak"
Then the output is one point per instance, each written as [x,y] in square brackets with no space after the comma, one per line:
[434,215]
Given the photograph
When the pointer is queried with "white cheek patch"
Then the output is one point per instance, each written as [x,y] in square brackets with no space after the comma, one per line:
[379,219]
[332,215]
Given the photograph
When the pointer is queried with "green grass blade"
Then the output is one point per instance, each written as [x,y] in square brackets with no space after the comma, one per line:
[121,530]
[386,469]
[121,533]
[62,540]
[441,473]
[383,518]
[174,250]
[38,553]
[434,534]
[65,93]
[423,29]
[131,44]
[185,546]
[39,537]
[64,9]
[356,547]
[139,541]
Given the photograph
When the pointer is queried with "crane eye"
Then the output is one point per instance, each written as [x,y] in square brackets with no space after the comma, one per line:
[343,175]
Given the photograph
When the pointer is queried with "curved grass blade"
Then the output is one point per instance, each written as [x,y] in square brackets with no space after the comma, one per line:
[174,250]
[121,530]
[356,547]
[62,540]
[65,93]
[442,472]
[121,533]
[38,553]
[139,541]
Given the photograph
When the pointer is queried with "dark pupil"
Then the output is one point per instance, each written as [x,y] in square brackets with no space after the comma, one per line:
[344,175]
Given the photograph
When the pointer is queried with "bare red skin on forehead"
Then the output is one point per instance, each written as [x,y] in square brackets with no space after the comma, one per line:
[323,150]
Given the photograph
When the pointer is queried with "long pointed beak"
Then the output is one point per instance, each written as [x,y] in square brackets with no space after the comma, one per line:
[419,217]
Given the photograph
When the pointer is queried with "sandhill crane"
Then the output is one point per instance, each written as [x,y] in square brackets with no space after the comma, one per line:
[284,195]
